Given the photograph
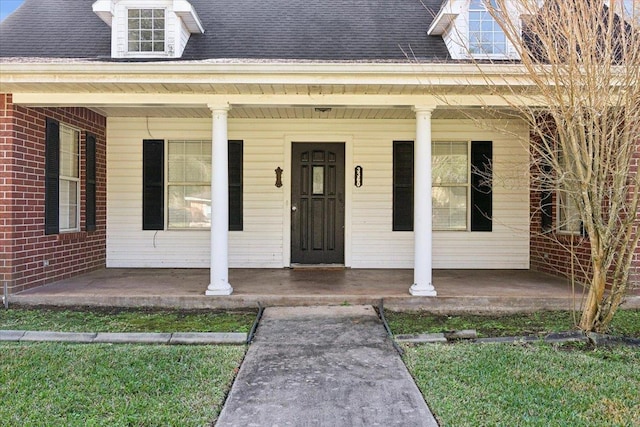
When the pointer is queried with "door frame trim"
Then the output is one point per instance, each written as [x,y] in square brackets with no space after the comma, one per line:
[320,138]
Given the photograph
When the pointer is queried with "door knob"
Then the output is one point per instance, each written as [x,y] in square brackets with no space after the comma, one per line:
[294,208]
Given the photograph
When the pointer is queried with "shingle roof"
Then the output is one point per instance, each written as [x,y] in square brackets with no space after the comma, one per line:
[376,30]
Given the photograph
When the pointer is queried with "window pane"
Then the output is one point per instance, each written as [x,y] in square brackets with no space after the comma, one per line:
[69,152]
[134,13]
[146,13]
[449,163]
[189,206]
[190,161]
[449,208]
[68,205]
[568,214]
[318,180]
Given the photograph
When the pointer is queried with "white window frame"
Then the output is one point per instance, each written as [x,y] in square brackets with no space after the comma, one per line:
[169,183]
[466,185]
[474,37]
[63,208]
[152,52]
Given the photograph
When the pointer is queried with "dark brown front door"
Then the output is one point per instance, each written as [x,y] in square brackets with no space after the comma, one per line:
[317,203]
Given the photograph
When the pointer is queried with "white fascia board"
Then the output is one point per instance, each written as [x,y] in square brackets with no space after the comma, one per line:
[446,15]
[188,14]
[104,10]
[254,72]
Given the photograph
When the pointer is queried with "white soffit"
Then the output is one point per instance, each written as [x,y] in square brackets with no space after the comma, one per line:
[187,13]
[446,15]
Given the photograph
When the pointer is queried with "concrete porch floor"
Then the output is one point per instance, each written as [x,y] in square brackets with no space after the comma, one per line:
[458,290]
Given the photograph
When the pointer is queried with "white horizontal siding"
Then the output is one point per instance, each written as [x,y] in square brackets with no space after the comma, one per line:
[370,241]
[259,245]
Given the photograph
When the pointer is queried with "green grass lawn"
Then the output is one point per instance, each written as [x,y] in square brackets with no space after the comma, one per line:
[125,320]
[533,385]
[465,384]
[52,384]
[625,323]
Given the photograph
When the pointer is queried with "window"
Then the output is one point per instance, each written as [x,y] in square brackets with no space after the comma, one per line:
[69,179]
[62,178]
[462,196]
[485,35]
[146,30]
[450,175]
[188,186]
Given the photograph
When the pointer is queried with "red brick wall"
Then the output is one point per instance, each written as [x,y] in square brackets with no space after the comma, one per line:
[551,253]
[24,247]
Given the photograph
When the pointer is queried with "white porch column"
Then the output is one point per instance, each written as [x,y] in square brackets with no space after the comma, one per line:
[422,206]
[219,284]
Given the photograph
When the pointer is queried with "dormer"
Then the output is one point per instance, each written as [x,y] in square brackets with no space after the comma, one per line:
[148,28]
[470,31]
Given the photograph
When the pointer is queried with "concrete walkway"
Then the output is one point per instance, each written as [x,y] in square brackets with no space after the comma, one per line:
[323,366]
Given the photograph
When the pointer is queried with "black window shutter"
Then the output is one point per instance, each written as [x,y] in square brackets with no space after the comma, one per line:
[402,185]
[235,185]
[546,200]
[481,182]
[51,179]
[153,184]
[90,185]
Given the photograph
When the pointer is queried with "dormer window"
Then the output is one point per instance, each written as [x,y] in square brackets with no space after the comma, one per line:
[146,30]
[149,28]
[485,35]
[470,31]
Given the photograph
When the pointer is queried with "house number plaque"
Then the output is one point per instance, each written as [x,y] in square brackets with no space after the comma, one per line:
[358,176]
[279,177]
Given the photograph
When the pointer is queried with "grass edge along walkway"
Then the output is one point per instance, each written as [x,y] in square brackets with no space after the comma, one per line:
[182,338]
